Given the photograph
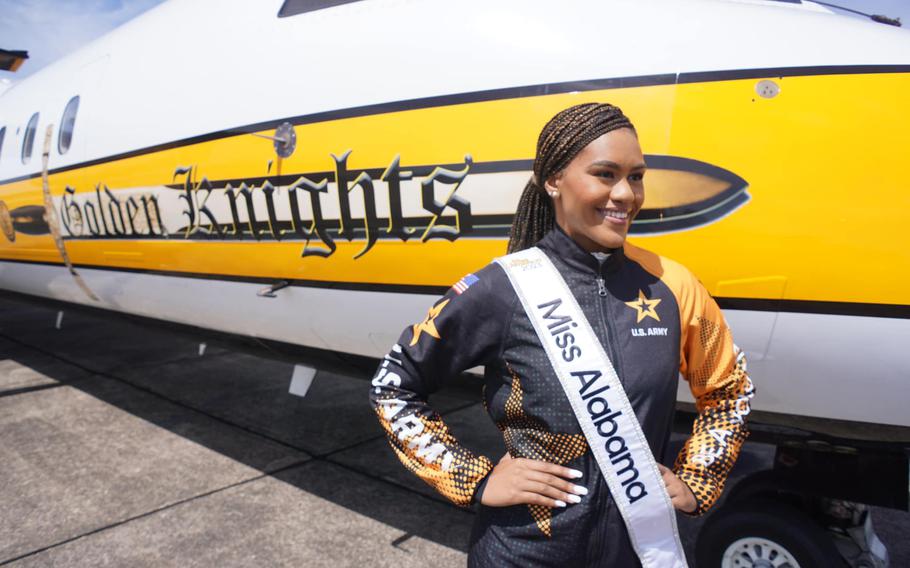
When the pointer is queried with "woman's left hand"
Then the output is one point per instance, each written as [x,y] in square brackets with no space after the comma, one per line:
[680,494]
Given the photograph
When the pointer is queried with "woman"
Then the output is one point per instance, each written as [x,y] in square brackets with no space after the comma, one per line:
[546,503]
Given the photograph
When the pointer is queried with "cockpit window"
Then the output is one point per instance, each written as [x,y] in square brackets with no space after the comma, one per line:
[2,136]
[29,139]
[65,136]
[294,7]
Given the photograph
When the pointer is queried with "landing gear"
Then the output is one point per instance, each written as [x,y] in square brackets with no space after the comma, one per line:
[757,551]
[764,534]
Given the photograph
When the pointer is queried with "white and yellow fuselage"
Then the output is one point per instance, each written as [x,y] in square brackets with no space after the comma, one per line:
[775,136]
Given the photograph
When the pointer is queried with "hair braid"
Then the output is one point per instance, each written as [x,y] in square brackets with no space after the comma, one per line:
[561,139]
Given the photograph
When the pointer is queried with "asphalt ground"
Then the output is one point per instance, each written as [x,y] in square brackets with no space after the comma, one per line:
[127,443]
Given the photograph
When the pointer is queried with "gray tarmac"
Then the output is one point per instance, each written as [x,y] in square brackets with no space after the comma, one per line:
[122,445]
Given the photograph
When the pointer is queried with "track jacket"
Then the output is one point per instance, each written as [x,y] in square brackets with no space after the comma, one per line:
[656,322]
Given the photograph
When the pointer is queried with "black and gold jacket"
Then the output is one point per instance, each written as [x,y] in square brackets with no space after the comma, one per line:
[656,321]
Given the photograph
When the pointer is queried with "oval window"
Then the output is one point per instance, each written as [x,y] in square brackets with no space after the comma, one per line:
[29,139]
[2,136]
[65,136]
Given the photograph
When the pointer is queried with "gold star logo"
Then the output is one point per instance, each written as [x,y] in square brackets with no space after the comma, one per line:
[428,325]
[645,307]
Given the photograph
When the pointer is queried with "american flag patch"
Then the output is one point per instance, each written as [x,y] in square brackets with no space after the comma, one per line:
[464,283]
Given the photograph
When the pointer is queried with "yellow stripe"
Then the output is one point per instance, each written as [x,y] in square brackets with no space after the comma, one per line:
[435,263]
[822,160]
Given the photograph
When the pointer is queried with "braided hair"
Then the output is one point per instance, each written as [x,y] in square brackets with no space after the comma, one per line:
[561,139]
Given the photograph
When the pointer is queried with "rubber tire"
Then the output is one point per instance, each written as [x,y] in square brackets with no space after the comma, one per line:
[809,543]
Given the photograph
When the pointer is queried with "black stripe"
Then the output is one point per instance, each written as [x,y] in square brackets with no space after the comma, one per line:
[781,72]
[896,311]
[695,214]
[484,226]
[492,95]
[667,223]
[325,284]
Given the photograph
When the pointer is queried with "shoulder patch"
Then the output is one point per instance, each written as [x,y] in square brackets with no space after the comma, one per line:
[462,285]
[428,325]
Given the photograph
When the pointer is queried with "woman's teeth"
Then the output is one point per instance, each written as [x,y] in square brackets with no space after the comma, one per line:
[615,214]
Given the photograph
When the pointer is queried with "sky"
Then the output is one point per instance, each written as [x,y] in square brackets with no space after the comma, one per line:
[50,29]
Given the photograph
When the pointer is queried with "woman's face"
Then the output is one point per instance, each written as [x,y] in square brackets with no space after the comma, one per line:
[600,191]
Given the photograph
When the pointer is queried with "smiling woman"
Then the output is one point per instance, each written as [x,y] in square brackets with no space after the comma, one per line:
[600,191]
[536,214]
[582,337]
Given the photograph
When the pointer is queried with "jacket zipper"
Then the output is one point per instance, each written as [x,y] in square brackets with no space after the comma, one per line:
[609,332]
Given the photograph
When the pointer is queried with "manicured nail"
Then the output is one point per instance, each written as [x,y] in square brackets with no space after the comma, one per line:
[575,473]
[579,490]
[560,504]
[574,498]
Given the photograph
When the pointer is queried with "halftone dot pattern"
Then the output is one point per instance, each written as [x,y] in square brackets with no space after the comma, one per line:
[717,436]
[710,337]
[458,482]
[527,437]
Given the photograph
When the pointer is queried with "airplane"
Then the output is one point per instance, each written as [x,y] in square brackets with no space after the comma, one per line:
[315,172]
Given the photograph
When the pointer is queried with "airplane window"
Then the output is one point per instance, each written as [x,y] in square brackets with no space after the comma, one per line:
[65,136]
[2,136]
[294,7]
[29,139]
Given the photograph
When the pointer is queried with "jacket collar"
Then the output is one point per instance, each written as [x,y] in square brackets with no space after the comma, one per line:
[562,247]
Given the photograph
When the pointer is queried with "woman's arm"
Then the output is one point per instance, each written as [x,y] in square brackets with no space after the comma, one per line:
[461,330]
[715,369]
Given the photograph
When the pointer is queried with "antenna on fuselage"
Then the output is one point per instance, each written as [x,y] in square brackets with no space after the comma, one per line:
[874,17]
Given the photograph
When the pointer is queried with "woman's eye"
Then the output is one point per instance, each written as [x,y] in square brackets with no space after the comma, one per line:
[606,174]
[637,177]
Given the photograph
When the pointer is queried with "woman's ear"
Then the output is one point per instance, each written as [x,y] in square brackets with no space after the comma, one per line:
[551,184]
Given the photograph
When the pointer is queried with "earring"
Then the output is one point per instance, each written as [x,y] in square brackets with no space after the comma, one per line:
[554,194]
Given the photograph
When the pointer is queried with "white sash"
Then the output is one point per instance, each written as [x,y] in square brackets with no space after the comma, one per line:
[601,407]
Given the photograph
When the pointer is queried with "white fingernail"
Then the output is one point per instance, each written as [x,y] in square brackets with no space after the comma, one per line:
[560,504]
[580,490]
[575,473]
[574,498]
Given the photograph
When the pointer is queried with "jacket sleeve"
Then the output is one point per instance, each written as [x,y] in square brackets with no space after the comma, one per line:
[461,330]
[715,369]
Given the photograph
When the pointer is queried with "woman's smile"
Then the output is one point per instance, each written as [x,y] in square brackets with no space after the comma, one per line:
[617,217]
[597,195]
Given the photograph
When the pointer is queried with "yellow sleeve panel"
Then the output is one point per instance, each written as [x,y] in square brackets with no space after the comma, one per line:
[716,372]
[456,478]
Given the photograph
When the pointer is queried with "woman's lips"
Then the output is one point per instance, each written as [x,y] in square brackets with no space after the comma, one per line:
[614,216]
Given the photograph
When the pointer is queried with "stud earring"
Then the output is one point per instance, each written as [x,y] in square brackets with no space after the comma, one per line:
[554,194]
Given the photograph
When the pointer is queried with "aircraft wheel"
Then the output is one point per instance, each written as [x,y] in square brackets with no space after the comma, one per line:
[755,534]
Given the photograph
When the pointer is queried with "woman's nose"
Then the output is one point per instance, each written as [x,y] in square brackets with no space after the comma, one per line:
[622,191]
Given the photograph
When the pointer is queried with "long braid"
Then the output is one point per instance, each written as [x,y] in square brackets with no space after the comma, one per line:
[561,139]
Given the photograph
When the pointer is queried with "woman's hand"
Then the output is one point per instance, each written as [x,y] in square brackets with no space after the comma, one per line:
[523,481]
[680,494]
